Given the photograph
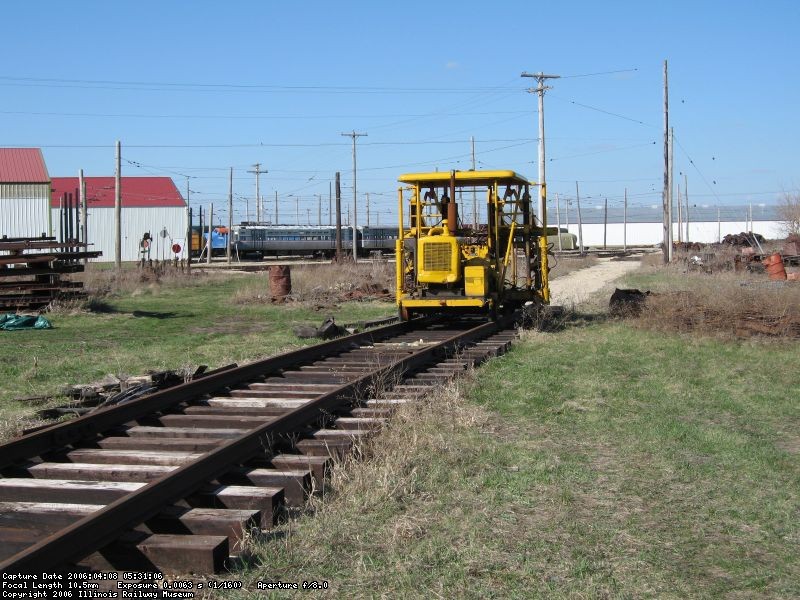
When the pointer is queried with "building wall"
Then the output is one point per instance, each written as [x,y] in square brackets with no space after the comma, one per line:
[135,222]
[650,234]
[24,209]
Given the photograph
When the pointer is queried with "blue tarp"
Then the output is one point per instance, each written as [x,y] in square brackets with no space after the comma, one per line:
[12,322]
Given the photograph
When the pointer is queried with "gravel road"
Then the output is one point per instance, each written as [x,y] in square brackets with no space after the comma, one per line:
[578,286]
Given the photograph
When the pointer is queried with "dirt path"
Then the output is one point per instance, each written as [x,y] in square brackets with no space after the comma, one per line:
[578,286]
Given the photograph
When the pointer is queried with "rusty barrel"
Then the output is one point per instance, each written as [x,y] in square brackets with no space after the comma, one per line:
[280,281]
[774,266]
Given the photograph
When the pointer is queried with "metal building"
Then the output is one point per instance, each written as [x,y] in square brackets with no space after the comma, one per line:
[24,193]
[149,205]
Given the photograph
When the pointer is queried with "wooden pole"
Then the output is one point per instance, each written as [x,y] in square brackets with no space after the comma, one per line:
[474,193]
[230,217]
[330,204]
[671,185]
[276,207]
[667,226]
[210,225]
[558,223]
[686,199]
[188,243]
[625,222]
[338,217]
[84,213]
[118,210]
[680,215]
[580,221]
[605,222]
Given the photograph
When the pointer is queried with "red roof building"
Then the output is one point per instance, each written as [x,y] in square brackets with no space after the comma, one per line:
[22,165]
[137,192]
[24,193]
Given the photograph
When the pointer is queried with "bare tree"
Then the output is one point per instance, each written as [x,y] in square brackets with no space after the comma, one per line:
[789,213]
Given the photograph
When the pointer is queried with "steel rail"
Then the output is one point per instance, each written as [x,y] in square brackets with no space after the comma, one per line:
[94,531]
[88,426]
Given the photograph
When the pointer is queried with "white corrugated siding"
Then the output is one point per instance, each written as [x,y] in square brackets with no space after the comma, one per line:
[648,234]
[24,209]
[135,222]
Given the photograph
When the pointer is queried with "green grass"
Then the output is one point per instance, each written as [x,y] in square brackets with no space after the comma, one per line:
[181,326]
[601,461]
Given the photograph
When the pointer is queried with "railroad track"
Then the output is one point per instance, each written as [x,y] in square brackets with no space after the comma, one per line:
[173,482]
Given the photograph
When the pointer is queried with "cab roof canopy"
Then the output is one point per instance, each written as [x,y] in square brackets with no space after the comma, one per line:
[465,178]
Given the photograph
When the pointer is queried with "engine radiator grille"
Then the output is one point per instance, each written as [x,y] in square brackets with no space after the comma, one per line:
[437,257]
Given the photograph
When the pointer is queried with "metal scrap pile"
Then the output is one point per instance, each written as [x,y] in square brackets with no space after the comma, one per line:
[112,390]
[743,239]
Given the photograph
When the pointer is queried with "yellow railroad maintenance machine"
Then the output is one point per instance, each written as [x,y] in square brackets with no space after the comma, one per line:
[446,264]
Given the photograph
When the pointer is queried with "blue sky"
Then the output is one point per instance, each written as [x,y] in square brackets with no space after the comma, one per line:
[278,82]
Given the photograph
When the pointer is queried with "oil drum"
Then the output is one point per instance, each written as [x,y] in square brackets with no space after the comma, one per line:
[280,281]
[774,266]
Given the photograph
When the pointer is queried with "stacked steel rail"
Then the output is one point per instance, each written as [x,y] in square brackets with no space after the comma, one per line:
[173,482]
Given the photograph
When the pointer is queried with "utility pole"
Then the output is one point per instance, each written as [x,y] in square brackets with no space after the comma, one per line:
[686,198]
[719,228]
[625,222]
[367,209]
[188,243]
[354,135]
[330,204]
[84,212]
[118,210]
[258,172]
[665,200]
[189,226]
[605,222]
[338,218]
[308,216]
[558,223]
[580,220]
[539,89]
[319,209]
[276,207]
[230,217]
[210,226]
[750,214]
[474,194]
[297,210]
[680,215]
[671,187]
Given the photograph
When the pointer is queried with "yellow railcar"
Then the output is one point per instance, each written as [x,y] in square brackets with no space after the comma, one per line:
[447,265]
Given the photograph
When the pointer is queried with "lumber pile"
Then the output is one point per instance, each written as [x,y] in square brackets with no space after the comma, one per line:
[32,272]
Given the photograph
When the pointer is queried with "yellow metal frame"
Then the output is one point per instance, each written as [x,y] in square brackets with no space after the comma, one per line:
[426,215]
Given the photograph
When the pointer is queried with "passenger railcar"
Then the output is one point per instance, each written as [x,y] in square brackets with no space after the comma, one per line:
[293,240]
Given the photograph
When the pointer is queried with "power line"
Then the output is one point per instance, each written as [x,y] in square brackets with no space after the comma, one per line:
[600,73]
[601,110]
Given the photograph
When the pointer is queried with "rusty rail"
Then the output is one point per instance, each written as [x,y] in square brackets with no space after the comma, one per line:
[74,542]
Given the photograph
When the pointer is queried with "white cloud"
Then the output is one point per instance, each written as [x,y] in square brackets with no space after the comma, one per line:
[451,64]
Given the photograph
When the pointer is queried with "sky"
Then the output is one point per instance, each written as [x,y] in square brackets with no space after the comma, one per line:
[192,89]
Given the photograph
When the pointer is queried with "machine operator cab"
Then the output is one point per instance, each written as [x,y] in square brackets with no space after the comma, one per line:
[469,242]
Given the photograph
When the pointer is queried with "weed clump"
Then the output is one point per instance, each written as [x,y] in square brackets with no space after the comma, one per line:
[726,304]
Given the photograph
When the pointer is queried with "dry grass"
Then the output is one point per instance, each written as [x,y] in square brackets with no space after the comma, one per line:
[378,521]
[568,264]
[101,282]
[327,283]
[724,303]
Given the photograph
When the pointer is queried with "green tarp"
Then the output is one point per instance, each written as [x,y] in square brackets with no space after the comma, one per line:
[12,322]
